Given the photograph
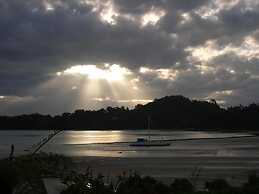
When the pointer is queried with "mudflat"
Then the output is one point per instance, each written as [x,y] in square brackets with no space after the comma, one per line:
[192,163]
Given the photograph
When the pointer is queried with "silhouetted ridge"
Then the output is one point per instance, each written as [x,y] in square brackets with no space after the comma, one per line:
[170,112]
[181,112]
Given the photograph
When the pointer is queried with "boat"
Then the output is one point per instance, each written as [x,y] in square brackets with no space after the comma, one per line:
[147,142]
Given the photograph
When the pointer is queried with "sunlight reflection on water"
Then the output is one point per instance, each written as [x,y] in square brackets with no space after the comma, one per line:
[88,137]
[98,143]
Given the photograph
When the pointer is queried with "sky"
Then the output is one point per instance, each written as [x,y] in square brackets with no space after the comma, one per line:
[60,55]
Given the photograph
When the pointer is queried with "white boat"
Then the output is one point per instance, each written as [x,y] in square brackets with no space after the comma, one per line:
[146,142]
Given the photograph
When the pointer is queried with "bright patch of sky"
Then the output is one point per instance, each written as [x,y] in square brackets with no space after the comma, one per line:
[152,16]
[107,72]
[249,49]
[168,74]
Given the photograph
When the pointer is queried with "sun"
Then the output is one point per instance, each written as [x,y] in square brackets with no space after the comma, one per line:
[107,72]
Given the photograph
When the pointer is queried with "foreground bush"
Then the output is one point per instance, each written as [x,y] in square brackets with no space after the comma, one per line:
[85,183]
[182,186]
[135,184]
[26,172]
[9,177]
[252,186]
[29,170]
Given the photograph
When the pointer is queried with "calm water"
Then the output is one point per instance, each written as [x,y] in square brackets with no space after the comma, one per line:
[114,143]
[232,158]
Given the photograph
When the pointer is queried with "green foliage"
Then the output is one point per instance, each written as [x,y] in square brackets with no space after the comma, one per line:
[252,186]
[182,186]
[85,184]
[219,186]
[9,177]
[135,184]
[138,185]
[42,164]
[26,171]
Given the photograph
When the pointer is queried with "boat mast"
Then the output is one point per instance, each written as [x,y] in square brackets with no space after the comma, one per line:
[149,122]
[149,125]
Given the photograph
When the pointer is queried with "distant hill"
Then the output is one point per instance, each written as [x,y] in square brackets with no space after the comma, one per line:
[170,112]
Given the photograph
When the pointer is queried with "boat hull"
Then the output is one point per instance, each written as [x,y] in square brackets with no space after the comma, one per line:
[149,144]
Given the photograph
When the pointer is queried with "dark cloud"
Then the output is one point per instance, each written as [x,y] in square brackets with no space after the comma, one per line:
[39,38]
[73,34]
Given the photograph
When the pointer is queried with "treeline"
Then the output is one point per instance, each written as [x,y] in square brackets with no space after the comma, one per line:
[170,112]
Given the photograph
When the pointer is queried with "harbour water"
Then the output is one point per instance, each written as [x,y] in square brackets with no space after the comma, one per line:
[109,153]
[116,143]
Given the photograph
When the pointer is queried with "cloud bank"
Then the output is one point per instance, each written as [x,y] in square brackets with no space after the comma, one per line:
[201,49]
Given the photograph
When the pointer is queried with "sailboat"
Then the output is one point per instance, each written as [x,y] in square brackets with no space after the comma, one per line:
[147,141]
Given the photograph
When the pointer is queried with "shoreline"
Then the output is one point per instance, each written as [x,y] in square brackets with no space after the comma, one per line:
[222,130]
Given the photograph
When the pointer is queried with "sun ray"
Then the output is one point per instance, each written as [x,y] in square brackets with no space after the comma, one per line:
[96,86]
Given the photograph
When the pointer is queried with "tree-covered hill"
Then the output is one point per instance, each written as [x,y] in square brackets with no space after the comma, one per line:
[170,112]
